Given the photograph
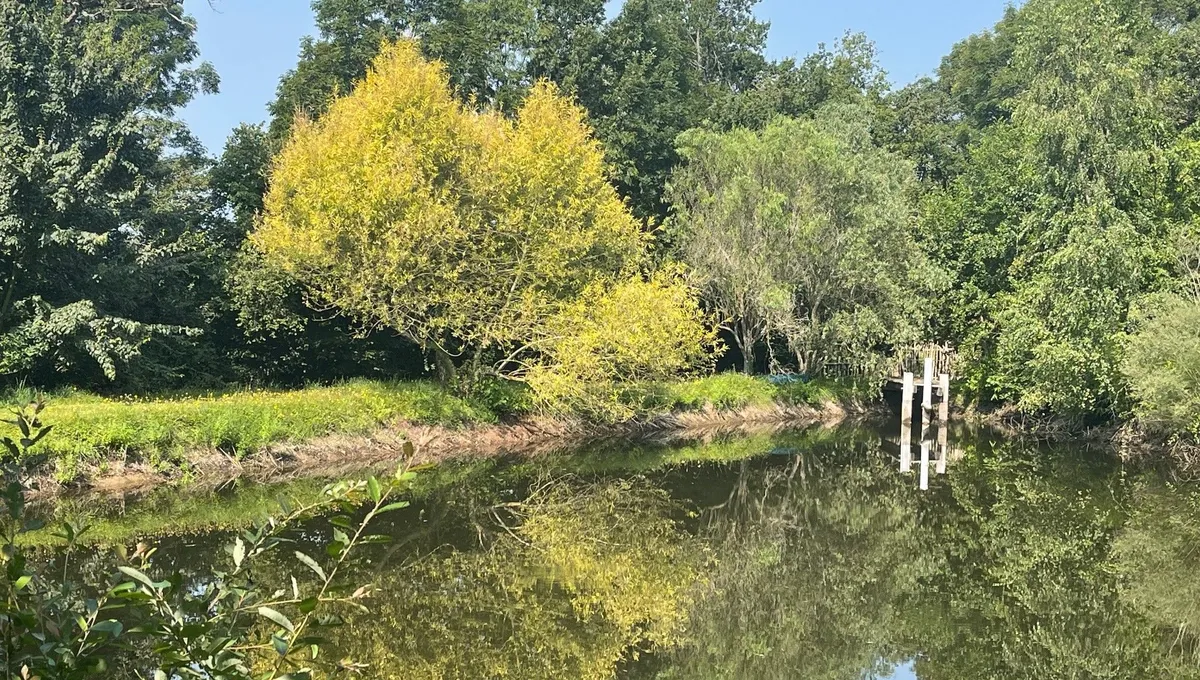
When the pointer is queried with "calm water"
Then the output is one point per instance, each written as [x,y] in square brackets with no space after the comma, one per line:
[797,555]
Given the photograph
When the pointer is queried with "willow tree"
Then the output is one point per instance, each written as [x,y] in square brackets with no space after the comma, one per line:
[803,230]
[465,231]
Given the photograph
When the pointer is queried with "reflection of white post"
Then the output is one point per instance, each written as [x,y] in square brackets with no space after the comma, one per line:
[906,400]
[943,449]
[924,464]
[927,391]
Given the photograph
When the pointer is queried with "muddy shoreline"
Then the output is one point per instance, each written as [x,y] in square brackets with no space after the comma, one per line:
[335,455]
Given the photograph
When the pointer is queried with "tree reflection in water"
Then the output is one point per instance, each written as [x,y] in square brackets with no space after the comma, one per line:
[794,555]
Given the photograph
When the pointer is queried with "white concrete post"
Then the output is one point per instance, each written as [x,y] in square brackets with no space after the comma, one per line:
[927,391]
[906,444]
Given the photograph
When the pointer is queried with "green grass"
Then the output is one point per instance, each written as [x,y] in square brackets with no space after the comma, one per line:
[93,431]
[736,390]
[90,429]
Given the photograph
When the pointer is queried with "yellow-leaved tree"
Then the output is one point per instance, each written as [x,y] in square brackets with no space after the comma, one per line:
[468,232]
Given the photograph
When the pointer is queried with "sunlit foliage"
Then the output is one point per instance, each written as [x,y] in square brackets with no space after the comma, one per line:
[635,331]
[454,228]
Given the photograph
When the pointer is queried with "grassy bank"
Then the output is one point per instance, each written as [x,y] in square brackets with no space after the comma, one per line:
[92,431]
[172,511]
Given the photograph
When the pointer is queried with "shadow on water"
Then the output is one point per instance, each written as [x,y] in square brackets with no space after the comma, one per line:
[808,554]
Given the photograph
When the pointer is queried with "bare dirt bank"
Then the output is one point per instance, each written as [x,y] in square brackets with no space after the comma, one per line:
[335,455]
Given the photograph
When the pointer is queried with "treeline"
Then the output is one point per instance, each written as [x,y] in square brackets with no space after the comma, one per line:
[539,192]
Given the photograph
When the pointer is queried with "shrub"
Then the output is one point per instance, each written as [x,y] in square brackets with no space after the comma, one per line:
[600,347]
[1162,364]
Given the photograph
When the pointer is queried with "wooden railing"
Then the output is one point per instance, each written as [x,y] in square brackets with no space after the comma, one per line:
[912,360]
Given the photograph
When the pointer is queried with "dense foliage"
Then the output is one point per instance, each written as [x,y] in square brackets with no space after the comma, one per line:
[99,214]
[1056,192]
[468,233]
[803,231]
[1034,203]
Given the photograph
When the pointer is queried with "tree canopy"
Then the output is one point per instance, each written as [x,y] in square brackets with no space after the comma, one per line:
[804,230]
[99,182]
[467,232]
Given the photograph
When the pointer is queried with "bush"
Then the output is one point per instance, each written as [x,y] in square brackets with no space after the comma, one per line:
[1162,364]
[598,350]
[226,624]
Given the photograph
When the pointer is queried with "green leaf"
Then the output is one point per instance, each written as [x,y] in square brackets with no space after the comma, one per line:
[268,613]
[311,564]
[110,626]
[23,581]
[393,506]
[374,488]
[138,576]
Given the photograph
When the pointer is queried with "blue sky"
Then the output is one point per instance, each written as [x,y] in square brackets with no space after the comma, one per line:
[254,42]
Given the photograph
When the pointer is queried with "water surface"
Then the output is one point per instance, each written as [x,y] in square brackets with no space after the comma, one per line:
[806,554]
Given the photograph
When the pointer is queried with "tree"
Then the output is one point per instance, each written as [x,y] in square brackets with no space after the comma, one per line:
[87,90]
[659,68]
[803,229]
[849,73]
[493,50]
[239,179]
[462,231]
[935,121]
[1161,359]
[633,331]
[1060,215]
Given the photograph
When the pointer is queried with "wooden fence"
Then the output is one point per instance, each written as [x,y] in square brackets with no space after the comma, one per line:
[912,360]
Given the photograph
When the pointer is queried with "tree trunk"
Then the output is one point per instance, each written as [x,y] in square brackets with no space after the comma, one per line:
[446,371]
[746,339]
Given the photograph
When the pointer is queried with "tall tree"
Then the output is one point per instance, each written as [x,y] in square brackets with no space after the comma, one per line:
[463,231]
[493,49]
[804,229]
[87,91]
[662,67]
[1059,218]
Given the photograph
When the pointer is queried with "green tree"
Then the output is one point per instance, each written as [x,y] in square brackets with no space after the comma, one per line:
[847,73]
[1060,217]
[659,68]
[803,230]
[493,50]
[91,183]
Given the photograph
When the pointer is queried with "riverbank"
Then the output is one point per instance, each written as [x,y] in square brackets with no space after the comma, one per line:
[127,444]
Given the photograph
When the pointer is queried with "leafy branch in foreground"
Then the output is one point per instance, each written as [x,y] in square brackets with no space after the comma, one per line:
[218,626]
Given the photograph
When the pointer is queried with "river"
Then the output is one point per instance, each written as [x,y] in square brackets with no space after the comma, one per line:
[799,554]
